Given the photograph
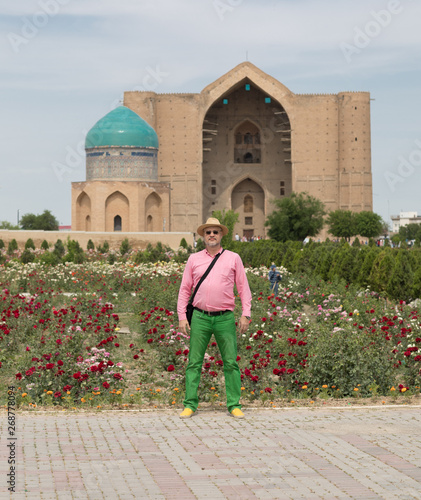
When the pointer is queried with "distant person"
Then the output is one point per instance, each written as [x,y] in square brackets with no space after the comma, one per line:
[274,279]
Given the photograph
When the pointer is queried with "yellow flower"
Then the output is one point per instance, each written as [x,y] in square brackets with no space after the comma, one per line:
[158,390]
[118,392]
[392,389]
[25,394]
[324,386]
[403,389]
[176,389]
[304,387]
[68,392]
[356,389]
[49,392]
[212,388]
[83,400]
[137,388]
[243,388]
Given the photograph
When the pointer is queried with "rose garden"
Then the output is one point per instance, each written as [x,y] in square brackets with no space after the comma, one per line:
[103,333]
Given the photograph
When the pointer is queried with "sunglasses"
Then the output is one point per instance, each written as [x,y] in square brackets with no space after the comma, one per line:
[212,232]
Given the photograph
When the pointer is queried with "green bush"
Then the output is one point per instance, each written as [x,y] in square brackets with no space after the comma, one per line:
[59,249]
[12,247]
[27,256]
[45,245]
[29,244]
[90,245]
[125,247]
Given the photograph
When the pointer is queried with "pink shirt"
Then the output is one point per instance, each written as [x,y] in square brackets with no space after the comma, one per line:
[216,293]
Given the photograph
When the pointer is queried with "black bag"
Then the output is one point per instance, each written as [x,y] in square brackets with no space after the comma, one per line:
[189,312]
[190,308]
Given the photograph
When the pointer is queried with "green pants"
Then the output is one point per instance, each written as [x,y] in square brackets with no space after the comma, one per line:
[224,330]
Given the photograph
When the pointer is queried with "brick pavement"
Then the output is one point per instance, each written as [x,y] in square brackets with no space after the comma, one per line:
[278,454]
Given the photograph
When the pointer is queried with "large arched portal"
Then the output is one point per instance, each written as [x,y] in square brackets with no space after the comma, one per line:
[246,133]
[248,200]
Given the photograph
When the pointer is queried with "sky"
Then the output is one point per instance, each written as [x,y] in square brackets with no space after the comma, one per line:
[64,64]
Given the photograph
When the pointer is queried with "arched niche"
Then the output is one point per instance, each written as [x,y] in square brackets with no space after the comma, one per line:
[153,213]
[248,200]
[83,212]
[117,204]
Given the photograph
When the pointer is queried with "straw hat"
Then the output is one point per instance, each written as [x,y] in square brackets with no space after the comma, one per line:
[212,222]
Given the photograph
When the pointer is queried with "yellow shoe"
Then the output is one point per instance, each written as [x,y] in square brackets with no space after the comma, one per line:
[237,413]
[186,413]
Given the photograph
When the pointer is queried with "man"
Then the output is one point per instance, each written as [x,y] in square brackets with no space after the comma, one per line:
[213,314]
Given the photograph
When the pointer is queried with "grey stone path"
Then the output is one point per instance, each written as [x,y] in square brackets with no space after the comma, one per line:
[287,454]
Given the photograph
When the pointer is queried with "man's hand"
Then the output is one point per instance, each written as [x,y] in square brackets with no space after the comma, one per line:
[183,326]
[244,324]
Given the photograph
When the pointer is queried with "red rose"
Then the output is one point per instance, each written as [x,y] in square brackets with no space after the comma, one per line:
[18,376]
[170,368]
[185,352]
[268,389]
[60,362]
[106,385]
[136,356]
[49,366]
[57,394]
[117,345]
[117,376]
[76,375]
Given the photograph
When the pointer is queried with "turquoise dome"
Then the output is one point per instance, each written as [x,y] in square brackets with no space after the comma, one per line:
[121,127]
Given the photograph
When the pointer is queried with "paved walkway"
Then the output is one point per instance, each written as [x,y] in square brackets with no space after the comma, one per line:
[287,454]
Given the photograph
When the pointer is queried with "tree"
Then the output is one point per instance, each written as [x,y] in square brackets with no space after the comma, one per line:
[44,222]
[342,224]
[369,224]
[4,224]
[410,232]
[298,216]
[227,218]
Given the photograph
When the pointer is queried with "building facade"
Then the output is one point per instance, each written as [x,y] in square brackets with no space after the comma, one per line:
[241,143]
[403,219]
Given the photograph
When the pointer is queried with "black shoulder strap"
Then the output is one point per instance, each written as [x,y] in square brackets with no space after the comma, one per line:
[208,270]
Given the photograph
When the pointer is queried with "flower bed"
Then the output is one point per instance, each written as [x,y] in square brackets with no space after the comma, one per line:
[60,342]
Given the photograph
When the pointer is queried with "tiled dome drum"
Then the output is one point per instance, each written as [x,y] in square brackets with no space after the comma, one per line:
[122,146]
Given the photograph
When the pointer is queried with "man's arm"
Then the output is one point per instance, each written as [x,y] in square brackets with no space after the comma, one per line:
[244,292]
